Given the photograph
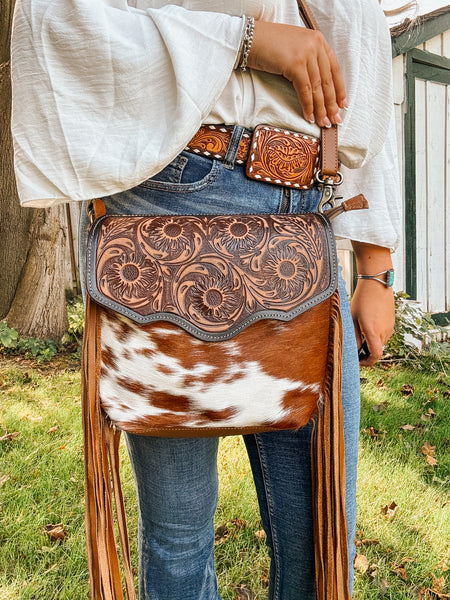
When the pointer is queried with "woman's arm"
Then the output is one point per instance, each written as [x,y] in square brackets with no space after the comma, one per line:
[372,304]
[304,57]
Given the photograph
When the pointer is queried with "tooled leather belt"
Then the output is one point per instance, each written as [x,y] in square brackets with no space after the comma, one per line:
[271,154]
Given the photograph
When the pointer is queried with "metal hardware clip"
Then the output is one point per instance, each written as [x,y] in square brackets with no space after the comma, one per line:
[328,186]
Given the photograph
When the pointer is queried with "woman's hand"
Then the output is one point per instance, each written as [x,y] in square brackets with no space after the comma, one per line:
[372,306]
[304,57]
[373,315]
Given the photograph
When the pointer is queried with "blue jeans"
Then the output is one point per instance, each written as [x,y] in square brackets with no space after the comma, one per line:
[176,479]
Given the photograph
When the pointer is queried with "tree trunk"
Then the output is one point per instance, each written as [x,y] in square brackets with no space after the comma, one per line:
[39,309]
[32,241]
[14,222]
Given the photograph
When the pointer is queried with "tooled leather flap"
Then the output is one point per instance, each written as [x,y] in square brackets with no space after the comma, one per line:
[211,275]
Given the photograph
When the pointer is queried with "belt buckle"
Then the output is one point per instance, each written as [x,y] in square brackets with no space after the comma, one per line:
[283,157]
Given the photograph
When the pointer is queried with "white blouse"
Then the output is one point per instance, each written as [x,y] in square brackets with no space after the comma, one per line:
[106,93]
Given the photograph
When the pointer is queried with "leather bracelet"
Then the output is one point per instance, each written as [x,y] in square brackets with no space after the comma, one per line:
[246,43]
[387,282]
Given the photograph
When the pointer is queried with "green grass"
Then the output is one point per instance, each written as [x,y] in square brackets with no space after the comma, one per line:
[41,483]
[393,468]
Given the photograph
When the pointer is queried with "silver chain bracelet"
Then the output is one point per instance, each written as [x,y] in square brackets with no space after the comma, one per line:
[247,42]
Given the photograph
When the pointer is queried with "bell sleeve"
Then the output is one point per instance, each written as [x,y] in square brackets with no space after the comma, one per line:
[105,95]
[379,181]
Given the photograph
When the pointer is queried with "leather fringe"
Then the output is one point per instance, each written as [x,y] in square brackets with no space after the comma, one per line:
[101,448]
[328,465]
[101,452]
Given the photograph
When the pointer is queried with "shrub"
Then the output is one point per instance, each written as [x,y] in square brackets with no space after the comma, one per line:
[416,337]
[44,350]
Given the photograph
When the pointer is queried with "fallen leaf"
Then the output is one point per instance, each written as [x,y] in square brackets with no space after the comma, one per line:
[367,542]
[389,510]
[8,437]
[407,427]
[400,569]
[442,564]
[56,532]
[361,563]
[221,534]
[381,385]
[428,415]
[242,592]
[53,429]
[432,595]
[407,389]
[428,449]
[380,407]
[432,461]
[374,432]
[433,396]
[240,523]
[4,479]
[439,585]
[260,535]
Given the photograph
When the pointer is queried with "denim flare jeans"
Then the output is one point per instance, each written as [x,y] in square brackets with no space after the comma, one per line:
[176,479]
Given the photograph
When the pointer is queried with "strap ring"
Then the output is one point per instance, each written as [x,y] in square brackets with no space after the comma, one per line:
[326,180]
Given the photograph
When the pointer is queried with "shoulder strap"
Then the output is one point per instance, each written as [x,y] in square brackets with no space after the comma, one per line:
[329,156]
[307,16]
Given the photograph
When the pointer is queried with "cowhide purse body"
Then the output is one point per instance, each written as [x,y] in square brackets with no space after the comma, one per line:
[214,325]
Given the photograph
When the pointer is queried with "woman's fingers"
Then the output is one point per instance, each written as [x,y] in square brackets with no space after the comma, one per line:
[304,57]
[338,80]
[305,93]
[375,348]
[326,108]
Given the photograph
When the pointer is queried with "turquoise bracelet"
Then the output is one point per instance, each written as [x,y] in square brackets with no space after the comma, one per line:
[388,281]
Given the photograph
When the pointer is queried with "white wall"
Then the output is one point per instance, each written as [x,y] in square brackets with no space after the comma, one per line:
[432,183]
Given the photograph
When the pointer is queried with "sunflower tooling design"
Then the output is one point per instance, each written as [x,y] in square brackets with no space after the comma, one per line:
[212,271]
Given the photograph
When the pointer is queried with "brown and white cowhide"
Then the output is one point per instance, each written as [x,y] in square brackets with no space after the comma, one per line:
[157,379]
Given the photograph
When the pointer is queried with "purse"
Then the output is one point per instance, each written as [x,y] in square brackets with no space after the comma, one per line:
[186,320]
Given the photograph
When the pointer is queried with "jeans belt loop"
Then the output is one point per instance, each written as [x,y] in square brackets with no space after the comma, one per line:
[230,156]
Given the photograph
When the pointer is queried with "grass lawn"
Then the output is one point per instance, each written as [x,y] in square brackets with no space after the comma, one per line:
[404,490]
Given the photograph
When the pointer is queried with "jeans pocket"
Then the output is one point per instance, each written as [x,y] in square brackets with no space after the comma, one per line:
[186,173]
